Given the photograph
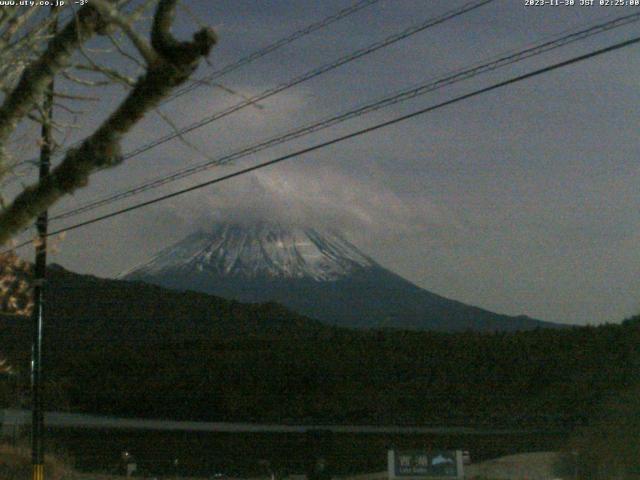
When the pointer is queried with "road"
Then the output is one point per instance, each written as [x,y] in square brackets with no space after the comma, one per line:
[10,419]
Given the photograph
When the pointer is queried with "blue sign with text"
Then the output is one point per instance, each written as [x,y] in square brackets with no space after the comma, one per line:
[442,463]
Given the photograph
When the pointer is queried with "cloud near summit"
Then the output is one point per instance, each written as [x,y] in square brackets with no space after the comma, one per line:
[322,198]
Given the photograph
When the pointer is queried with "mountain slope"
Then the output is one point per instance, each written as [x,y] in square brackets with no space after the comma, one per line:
[317,274]
[85,310]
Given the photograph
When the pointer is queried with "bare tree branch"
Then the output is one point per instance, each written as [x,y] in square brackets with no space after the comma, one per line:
[110,73]
[179,135]
[82,81]
[175,62]
[37,75]
[112,15]
[123,52]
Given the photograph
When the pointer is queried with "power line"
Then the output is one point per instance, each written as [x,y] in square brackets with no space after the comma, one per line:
[430,86]
[323,23]
[431,22]
[313,73]
[412,30]
[342,138]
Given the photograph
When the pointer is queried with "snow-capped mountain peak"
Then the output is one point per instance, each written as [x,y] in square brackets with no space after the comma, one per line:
[259,250]
[313,272]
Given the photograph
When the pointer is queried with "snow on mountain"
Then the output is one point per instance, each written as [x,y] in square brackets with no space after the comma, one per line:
[315,273]
[257,251]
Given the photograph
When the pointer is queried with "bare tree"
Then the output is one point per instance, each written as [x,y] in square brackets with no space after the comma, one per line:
[31,56]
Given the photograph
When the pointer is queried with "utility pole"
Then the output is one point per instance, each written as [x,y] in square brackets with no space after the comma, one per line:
[37,411]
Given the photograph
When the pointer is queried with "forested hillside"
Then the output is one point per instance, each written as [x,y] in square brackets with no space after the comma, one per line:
[133,349]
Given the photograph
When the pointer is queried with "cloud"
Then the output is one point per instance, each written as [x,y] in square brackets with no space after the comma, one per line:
[325,198]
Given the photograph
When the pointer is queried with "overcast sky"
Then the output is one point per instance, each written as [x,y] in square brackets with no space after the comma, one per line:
[522,201]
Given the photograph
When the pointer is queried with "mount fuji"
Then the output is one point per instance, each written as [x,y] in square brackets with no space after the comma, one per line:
[316,273]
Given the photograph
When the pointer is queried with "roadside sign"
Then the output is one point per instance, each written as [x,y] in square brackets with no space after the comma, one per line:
[423,464]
